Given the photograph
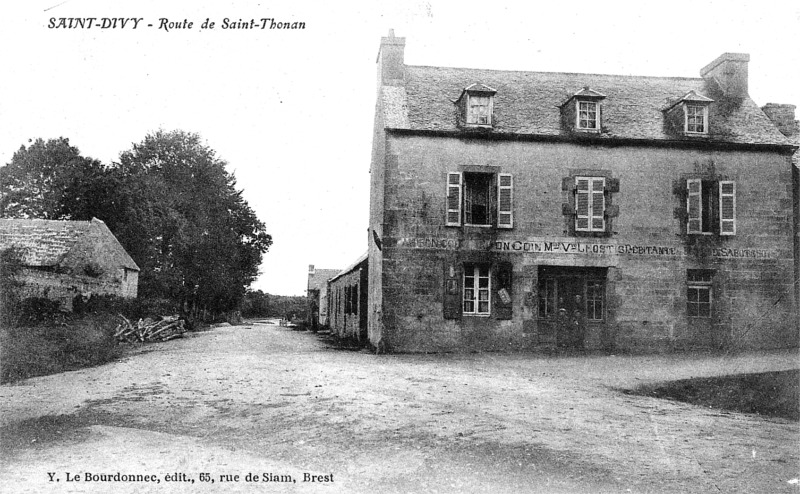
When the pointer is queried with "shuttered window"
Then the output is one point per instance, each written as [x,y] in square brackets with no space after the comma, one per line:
[727,208]
[505,201]
[694,206]
[480,199]
[454,199]
[590,204]
[710,207]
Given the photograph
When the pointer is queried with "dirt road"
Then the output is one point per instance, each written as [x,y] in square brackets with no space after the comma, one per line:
[282,405]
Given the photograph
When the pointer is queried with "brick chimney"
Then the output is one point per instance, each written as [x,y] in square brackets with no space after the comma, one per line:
[311,270]
[391,62]
[783,118]
[729,71]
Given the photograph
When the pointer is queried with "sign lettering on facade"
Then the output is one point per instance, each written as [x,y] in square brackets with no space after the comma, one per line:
[571,247]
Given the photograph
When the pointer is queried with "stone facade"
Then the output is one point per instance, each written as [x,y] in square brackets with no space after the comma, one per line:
[347,301]
[581,211]
[65,259]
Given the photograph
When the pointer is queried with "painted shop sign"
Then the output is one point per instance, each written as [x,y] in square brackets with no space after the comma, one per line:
[552,246]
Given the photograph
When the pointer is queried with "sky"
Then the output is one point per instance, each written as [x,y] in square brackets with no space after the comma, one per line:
[291,111]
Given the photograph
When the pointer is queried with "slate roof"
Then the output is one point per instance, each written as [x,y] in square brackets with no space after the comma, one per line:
[45,243]
[320,278]
[352,267]
[527,104]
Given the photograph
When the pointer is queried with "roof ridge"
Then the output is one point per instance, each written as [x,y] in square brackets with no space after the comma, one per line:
[507,71]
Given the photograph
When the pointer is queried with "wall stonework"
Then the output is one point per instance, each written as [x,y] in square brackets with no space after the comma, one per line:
[646,281]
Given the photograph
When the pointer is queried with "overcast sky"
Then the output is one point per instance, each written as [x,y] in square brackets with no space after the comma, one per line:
[292,111]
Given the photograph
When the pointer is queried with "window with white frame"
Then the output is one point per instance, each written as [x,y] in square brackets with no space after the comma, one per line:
[588,115]
[590,204]
[479,109]
[711,206]
[477,289]
[699,292]
[696,119]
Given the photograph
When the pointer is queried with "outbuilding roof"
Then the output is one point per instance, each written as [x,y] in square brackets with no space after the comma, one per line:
[527,104]
[46,243]
[320,278]
[352,267]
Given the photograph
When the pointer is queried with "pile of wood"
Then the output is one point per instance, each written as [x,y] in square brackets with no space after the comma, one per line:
[165,329]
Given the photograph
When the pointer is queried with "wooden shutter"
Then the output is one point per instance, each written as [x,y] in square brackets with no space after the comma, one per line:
[694,206]
[454,199]
[582,204]
[505,201]
[502,296]
[453,280]
[598,206]
[590,204]
[727,208]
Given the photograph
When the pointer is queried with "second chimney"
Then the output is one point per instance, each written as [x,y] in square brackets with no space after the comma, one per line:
[391,62]
[729,71]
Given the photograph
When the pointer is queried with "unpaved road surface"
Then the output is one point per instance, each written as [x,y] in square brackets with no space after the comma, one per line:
[283,405]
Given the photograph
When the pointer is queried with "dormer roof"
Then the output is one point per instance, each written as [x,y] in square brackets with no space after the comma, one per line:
[690,97]
[476,88]
[586,93]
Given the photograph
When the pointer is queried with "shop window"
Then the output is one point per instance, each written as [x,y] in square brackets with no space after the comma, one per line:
[710,207]
[547,297]
[699,292]
[570,292]
[477,289]
[595,291]
[480,199]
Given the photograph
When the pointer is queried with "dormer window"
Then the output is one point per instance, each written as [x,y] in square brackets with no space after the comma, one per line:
[582,112]
[479,109]
[587,115]
[476,107]
[696,118]
[688,115]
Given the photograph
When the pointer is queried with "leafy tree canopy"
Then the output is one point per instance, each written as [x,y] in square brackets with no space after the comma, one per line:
[50,180]
[170,202]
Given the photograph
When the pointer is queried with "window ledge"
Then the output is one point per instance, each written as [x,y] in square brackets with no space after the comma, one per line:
[686,133]
[468,314]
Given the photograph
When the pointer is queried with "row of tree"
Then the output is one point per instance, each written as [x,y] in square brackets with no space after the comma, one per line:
[170,202]
[259,304]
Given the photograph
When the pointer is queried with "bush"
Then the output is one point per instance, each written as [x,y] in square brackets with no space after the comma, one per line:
[27,351]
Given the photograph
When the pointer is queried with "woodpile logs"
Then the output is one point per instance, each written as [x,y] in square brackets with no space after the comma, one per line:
[165,329]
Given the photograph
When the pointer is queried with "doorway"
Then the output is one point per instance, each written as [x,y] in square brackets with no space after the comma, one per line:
[571,300]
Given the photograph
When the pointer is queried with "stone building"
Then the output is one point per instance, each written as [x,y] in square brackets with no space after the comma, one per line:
[347,301]
[317,296]
[64,259]
[515,210]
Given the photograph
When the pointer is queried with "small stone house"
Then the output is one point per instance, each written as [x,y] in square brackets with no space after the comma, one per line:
[64,259]
[317,296]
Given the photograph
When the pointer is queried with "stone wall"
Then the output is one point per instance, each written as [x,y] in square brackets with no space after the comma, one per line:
[646,254]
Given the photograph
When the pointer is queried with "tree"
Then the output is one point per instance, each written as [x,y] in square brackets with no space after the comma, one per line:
[51,180]
[194,235]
